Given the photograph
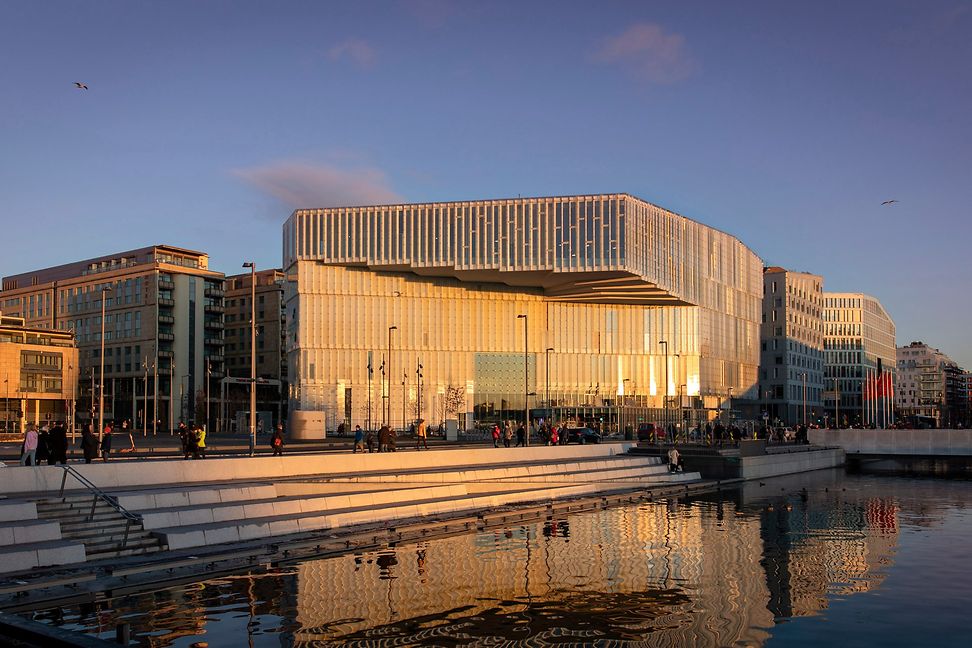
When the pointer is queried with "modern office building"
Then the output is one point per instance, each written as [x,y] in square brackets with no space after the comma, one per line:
[859,346]
[271,357]
[931,389]
[39,369]
[163,320]
[791,346]
[603,308]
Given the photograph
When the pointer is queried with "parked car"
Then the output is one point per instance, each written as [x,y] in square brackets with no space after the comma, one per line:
[650,432]
[581,435]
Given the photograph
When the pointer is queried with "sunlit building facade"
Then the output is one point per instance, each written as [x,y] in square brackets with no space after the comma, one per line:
[859,343]
[602,307]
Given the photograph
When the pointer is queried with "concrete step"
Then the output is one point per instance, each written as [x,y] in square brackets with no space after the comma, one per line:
[121,553]
[28,531]
[588,475]
[94,548]
[479,472]
[237,530]
[156,498]
[204,514]
[116,533]
[40,554]
[15,510]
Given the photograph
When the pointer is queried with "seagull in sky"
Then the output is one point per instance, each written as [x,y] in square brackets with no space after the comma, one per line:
[889,202]
[80,86]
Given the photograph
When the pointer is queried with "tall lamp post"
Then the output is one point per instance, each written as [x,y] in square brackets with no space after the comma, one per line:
[404,398]
[665,342]
[418,381]
[101,385]
[253,368]
[526,377]
[171,393]
[388,373]
[546,373]
[145,398]
[370,372]
[804,374]
[624,396]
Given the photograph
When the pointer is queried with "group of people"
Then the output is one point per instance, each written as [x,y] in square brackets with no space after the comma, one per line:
[387,438]
[193,440]
[49,443]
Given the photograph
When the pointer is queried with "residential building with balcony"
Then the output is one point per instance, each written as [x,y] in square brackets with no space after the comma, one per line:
[163,321]
[931,389]
[791,368]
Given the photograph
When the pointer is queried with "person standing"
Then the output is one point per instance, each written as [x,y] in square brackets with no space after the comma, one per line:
[200,442]
[384,432]
[29,456]
[106,442]
[496,435]
[59,444]
[89,443]
[421,435]
[673,460]
[520,436]
[185,440]
[507,435]
[276,441]
[370,441]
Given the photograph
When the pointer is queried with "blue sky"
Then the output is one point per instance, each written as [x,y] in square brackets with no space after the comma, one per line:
[786,124]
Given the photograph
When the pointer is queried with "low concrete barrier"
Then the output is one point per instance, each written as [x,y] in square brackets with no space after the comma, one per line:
[135,473]
[897,442]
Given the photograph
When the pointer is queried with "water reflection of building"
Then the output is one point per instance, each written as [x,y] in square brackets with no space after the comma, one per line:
[698,574]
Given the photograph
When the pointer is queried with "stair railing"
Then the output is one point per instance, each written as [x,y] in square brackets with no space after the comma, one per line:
[98,494]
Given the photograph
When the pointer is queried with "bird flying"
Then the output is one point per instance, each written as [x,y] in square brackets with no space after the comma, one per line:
[80,86]
[889,202]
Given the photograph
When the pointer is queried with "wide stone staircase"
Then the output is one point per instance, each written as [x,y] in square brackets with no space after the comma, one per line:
[103,531]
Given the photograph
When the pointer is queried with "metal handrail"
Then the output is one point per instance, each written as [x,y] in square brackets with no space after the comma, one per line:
[99,494]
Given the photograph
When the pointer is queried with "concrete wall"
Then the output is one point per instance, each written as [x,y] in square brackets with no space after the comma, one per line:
[892,442]
[782,463]
[127,474]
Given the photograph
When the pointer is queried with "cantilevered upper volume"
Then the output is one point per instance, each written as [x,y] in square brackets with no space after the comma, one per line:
[606,248]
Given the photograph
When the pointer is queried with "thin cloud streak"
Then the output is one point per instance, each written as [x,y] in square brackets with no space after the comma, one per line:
[649,52]
[300,184]
[355,50]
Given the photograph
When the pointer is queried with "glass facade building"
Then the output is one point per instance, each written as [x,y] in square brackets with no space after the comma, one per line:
[630,310]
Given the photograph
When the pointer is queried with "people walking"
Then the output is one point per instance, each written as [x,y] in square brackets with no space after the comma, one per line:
[384,434]
[520,436]
[106,442]
[89,443]
[29,455]
[507,435]
[358,439]
[185,440]
[673,459]
[496,435]
[370,440]
[422,435]
[277,441]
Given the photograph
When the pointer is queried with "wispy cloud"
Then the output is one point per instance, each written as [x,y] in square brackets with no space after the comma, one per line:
[650,52]
[300,184]
[431,13]
[355,50]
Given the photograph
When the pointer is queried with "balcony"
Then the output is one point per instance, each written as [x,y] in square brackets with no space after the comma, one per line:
[215,341]
[165,353]
[166,284]
[215,324]
[214,292]
[214,308]
[165,301]
[166,337]
[216,358]
[166,319]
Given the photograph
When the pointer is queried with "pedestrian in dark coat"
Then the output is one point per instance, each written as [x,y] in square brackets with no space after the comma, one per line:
[89,444]
[59,444]
[276,441]
[106,443]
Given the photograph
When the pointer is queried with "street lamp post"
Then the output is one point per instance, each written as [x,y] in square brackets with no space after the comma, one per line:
[804,374]
[145,399]
[208,376]
[101,386]
[404,397]
[546,374]
[526,377]
[171,393]
[418,381]
[665,342]
[621,401]
[370,372]
[388,373]
[253,367]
